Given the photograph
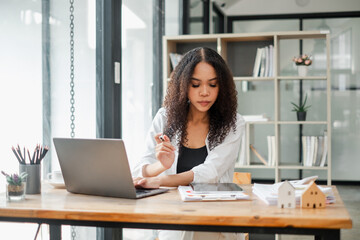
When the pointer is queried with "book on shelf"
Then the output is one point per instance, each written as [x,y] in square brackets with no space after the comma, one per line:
[175,59]
[314,150]
[320,148]
[263,65]
[271,61]
[267,61]
[325,150]
[271,150]
[256,69]
[258,155]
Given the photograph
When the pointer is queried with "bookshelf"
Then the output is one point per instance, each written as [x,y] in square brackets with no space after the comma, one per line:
[239,50]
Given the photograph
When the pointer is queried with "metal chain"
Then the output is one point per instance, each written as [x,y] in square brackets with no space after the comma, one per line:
[72,92]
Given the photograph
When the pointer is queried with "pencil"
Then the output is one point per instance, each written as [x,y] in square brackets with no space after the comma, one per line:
[19,152]
[16,155]
[29,157]
[46,148]
[33,157]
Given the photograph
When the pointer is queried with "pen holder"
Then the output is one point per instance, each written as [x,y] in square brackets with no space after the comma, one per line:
[33,183]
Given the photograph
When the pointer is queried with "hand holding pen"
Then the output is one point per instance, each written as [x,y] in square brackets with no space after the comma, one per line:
[165,151]
[37,156]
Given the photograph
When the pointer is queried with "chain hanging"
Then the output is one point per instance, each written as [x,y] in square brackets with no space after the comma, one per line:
[72,92]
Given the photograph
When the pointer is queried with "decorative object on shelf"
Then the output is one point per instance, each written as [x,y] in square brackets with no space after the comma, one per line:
[302,62]
[301,109]
[302,70]
[32,168]
[15,186]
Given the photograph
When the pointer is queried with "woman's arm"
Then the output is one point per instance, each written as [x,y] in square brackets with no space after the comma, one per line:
[181,179]
[165,154]
[149,163]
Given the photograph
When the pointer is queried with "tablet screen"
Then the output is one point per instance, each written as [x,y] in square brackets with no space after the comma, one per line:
[214,187]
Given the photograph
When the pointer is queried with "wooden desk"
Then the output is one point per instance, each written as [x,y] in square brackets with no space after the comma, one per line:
[167,211]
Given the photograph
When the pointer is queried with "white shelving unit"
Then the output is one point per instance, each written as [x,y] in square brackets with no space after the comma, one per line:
[228,46]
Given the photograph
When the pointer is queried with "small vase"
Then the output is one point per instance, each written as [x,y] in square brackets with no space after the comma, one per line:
[15,192]
[302,70]
[301,116]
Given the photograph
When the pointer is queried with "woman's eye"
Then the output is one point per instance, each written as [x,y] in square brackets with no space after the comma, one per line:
[195,85]
[213,85]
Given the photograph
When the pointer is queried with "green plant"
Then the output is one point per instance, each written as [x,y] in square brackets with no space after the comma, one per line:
[15,179]
[303,60]
[302,107]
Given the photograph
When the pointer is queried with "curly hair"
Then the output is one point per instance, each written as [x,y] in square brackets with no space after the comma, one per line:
[222,114]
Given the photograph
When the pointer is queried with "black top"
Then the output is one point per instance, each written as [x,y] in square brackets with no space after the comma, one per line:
[190,157]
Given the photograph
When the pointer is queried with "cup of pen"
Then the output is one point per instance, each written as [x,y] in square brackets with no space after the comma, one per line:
[31,166]
[33,179]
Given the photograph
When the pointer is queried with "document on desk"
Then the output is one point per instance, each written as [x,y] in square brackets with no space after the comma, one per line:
[187,193]
[269,192]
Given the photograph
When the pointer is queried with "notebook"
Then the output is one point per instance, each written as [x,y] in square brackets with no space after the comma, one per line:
[98,167]
[212,192]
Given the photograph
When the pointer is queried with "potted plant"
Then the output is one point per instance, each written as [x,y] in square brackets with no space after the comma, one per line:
[301,109]
[15,186]
[302,62]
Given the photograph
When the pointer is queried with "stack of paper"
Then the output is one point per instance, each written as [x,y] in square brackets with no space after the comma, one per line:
[269,192]
[188,194]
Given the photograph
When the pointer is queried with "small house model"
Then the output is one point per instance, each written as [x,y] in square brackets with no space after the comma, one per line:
[313,197]
[286,196]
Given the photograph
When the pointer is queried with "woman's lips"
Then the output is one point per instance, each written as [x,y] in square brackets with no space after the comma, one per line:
[204,103]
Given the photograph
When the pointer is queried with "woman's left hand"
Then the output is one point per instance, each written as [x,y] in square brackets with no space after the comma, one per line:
[148,182]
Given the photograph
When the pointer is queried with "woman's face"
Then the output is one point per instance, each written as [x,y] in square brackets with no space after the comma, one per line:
[203,88]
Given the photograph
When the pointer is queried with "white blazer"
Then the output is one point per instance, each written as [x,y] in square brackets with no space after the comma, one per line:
[219,163]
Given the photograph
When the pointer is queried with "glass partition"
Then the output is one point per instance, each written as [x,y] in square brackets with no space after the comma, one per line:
[345,99]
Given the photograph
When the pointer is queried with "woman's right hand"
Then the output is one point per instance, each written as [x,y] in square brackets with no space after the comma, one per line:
[165,151]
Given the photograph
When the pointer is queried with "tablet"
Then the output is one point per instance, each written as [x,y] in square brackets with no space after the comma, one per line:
[215,187]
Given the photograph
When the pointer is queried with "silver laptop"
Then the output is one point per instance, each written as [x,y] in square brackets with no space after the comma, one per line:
[98,167]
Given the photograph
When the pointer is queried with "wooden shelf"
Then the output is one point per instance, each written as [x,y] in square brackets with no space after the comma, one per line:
[254,78]
[302,78]
[302,122]
[302,167]
[254,166]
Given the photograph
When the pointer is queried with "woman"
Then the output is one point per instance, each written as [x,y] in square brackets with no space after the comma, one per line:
[196,136]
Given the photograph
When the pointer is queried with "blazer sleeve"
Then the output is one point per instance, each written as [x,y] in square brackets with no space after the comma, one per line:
[149,156]
[221,160]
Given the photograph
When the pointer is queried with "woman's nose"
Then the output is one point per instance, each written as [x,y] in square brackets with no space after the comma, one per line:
[204,91]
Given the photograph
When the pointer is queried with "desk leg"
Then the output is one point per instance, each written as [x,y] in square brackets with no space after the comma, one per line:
[113,234]
[330,235]
[55,232]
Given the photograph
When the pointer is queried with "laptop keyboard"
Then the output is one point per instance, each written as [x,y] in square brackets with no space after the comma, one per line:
[141,192]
